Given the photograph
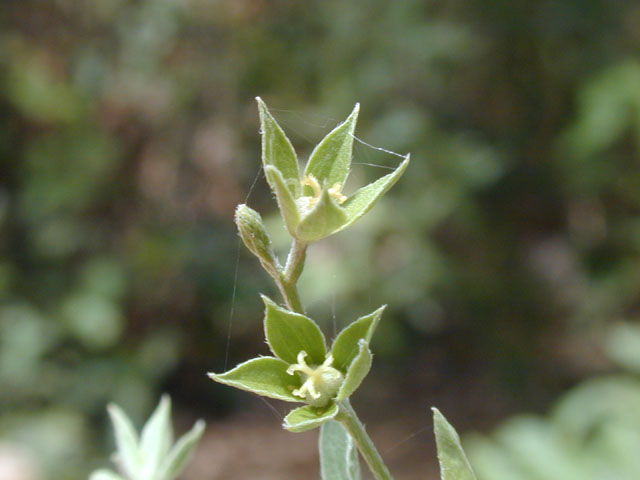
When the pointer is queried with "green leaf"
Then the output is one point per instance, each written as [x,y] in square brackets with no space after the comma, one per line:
[338,454]
[105,475]
[324,218]
[126,441]
[278,151]
[453,461]
[289,333]
[360,202]
[181,452]
[357,370]
[156,438]
[266,376]
[345,346]
[308,417]
[330,161]
[286,200]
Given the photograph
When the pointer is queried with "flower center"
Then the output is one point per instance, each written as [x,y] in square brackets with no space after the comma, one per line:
[321,383]
[308,202]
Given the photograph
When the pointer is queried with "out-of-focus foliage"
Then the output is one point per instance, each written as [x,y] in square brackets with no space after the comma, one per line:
[592,433]
[128,134]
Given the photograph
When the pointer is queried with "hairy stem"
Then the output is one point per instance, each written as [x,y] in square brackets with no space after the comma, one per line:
[347,416]
[288,279]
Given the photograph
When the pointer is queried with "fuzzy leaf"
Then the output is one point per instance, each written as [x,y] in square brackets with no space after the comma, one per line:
[289,333]
[266,376]
[357,370]
[278,151]
[330,161]
[181,452]
[286,200]
[156,438]
[360,202]
[345,346]
[105,475]
[324,218]
[308,417]
[128,453]
[453,461]
[338,454]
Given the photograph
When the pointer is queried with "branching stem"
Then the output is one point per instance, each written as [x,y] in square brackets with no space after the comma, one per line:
[287,283]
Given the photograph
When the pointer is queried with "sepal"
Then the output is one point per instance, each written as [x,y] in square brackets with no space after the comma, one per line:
[288,333]
[330,161]
[325,218]
[361,202]
[345,346]
[356,372]
[309,417]
[266,376]
[277,151]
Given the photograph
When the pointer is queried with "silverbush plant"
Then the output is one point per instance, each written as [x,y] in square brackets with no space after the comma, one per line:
[303,369]
[152,456]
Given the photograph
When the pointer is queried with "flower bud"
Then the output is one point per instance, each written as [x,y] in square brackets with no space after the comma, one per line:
[255,237]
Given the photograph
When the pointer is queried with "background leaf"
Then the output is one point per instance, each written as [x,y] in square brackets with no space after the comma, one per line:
[339,458]
[128,450]
[156,437]
[453,461]
[181,452]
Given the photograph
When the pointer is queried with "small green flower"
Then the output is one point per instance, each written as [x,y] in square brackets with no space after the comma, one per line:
[321,383]
[313,205]
[302,370]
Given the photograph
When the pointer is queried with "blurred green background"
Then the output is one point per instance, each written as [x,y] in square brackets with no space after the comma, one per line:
[509,254]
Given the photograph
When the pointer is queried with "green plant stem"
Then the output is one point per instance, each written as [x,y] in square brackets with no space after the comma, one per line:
[347,416]
[288,280]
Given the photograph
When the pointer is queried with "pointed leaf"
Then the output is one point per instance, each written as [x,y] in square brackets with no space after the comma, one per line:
[266,376]
[105,475]
[357,370]
[289,333]
[286,200]
[360,202]
[181,452]
[338,454]
[308,417]
[345,346]
[324,218]
[330,161]
[156,438]
[278,151]
[128,453]
[453,461]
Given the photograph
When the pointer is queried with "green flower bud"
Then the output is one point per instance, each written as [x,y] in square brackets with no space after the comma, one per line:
[255,237]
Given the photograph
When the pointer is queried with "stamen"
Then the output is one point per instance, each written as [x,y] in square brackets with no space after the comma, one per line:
[336,193]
